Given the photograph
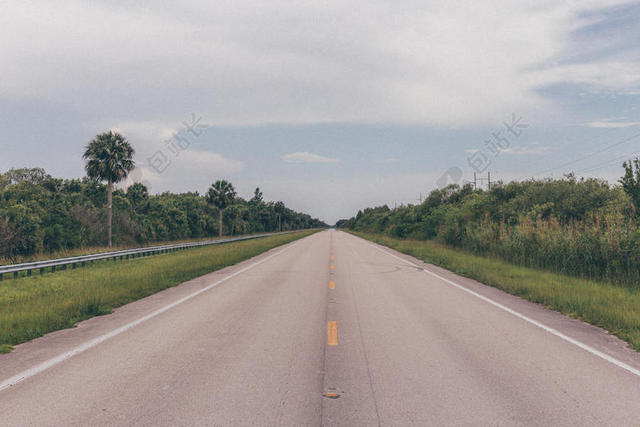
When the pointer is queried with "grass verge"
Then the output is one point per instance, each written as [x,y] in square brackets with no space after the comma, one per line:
[614,308]
[91,250]
[33,306]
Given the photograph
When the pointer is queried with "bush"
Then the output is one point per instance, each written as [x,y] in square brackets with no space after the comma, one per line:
[582,228]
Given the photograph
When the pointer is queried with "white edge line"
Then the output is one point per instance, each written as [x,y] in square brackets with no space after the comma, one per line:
[542,326]
[94,342]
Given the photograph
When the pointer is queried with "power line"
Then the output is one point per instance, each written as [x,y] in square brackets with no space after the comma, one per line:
[590,154]
[607,163]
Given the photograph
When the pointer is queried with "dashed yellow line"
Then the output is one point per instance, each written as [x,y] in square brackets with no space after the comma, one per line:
[332,267]
[332,285]
[331,257]
[332,334]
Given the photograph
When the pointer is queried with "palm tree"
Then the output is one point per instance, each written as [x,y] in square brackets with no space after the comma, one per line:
[221,194]
[109,158]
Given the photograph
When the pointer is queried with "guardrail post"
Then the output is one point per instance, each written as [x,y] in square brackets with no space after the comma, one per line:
[73,266]
[0,277]
[41,270]
[15,274]
[53,268]
[28,272]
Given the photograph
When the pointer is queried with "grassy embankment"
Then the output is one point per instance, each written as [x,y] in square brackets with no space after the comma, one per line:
[89,250]
[33,306]
[614,308]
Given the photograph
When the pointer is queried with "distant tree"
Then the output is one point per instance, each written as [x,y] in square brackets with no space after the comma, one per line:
[257,197]
[35,176]
[221,194]
[138,195]
[631,182]
[109,157]
[279,209]
[40,214]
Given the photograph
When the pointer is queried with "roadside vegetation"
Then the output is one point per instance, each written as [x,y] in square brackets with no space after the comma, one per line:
[33,306]
[613,308]
[578,227]
[89,250]
[41,215]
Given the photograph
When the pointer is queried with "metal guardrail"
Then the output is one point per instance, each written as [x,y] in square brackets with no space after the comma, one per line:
[81,260]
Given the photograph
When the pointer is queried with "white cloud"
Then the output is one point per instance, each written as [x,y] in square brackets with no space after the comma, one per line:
[163,165]
[388,160]
[307,157]
[246,62]
[192,170]
[532,149]
[606,124]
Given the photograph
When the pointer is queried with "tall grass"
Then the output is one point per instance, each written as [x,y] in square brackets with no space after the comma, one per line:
[604,248]
[616,309]
[33,306]
[579,227]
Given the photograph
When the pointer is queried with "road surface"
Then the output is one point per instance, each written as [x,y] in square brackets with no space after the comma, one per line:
[329,330]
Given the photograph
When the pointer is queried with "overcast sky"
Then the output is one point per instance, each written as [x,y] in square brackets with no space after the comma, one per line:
[330,106]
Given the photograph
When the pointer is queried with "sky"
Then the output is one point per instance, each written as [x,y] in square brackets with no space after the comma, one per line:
[329,106]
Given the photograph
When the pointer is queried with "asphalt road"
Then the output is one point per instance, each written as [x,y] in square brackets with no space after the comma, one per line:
[285,339]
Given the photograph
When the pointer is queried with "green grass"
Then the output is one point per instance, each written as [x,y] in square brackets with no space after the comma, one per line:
[33,306]
[614,308]
[89,250]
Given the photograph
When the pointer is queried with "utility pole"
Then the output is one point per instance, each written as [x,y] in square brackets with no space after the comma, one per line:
[481,180]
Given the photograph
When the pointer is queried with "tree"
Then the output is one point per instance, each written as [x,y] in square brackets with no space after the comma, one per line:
[279,209]
[6,234]
[257,197]
[33,176]
[138,195]
[109,157]
[221,194]
[631,182]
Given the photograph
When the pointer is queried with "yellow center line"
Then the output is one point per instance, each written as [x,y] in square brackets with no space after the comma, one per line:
[331,256]
[332,267]
[332,285]
[332,334]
